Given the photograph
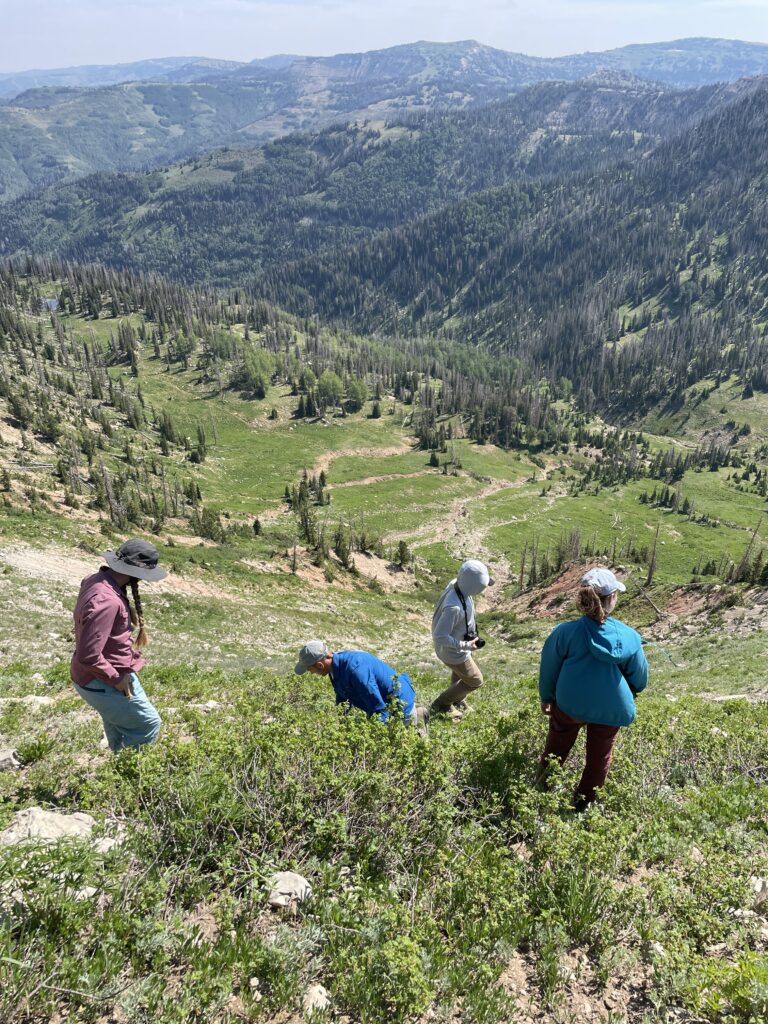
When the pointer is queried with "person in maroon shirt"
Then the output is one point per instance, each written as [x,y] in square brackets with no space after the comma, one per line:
[105,662]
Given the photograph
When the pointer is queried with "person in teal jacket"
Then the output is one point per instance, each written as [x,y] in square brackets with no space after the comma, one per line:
[591,671]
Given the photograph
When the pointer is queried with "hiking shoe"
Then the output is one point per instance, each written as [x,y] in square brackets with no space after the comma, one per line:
[422,722]
[453,712]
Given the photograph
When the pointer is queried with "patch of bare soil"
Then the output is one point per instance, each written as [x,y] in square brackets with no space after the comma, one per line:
[59,567]
[390,576]
[549,601]
[579,1000]
[381,479]
[324,461]
[751,697]
[691,607]
[189,542]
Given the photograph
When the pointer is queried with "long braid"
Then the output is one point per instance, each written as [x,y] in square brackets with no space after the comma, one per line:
[142,639]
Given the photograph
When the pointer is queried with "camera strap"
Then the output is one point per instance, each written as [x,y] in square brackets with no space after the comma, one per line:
[463,605]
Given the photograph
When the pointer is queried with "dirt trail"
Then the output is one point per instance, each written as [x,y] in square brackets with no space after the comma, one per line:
[323,462]
[60,567]
[384,478]
[467,540]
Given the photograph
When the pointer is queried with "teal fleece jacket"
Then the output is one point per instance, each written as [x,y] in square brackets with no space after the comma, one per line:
[593,672]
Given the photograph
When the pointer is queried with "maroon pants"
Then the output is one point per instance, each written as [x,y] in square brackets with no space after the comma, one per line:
[563,731]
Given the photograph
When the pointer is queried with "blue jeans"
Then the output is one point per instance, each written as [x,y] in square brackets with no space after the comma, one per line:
[127,723]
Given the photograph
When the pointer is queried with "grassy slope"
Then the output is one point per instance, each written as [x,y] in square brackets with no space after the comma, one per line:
[630,908]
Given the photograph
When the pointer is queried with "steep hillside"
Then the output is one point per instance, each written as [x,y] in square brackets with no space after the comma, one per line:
[645,272]
[444,885]
[314,458]
[220,218]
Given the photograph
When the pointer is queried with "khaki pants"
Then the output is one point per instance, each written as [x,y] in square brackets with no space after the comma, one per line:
[464,679]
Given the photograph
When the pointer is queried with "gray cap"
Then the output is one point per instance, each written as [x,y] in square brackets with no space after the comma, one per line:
[309,655]
[136,558]
[602,581]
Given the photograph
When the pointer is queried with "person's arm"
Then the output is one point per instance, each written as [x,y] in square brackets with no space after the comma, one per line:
[450,623]
[635,671]
[552,657]
[98,618]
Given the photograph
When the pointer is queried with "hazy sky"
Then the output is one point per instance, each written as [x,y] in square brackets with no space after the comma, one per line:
[58,33]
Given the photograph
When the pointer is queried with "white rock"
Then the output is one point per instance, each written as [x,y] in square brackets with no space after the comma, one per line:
[86,893]
[33,823]
[286,887]
[760,890]
[210,705]
[9,760]
[696,855]
[38,677]
[658,949]
[316,998]
[105,844]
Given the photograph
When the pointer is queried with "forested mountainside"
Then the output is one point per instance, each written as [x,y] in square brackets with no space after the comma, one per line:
[221,218]
[62,127]
[141,400]
[633,281]
[54,363]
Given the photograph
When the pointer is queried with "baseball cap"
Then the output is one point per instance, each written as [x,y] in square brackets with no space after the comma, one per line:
[602,581]
[309,654]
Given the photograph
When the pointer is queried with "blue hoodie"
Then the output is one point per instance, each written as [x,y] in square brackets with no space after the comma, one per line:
[592,672]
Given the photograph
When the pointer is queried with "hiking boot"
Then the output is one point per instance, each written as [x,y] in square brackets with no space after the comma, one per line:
[422,722]
[453,712]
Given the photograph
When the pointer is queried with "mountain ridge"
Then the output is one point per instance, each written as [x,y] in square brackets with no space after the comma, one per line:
[56,132]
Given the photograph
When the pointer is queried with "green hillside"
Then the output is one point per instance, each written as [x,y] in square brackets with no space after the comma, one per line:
[444,886]
[620,258]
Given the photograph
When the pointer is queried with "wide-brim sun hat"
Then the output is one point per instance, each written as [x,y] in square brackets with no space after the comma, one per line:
[602,581]
[136,558]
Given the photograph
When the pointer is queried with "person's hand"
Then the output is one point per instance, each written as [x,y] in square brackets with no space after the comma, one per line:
[124,685]
[546,707]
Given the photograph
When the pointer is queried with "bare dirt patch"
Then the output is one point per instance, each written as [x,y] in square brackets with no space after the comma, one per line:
[60,567]
[579,999]
[324,461]
[371,567]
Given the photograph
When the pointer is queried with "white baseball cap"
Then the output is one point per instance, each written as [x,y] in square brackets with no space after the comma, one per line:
[602,581]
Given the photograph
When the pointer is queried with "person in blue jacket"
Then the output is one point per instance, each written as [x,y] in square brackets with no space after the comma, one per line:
[364,681]
[591,671]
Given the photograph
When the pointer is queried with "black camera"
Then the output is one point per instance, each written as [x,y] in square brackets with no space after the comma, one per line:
[476,638]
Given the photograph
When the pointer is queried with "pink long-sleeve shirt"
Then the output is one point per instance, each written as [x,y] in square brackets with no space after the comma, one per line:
[103,641]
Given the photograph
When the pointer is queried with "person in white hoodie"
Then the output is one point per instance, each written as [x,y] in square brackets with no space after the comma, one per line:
[454,634]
